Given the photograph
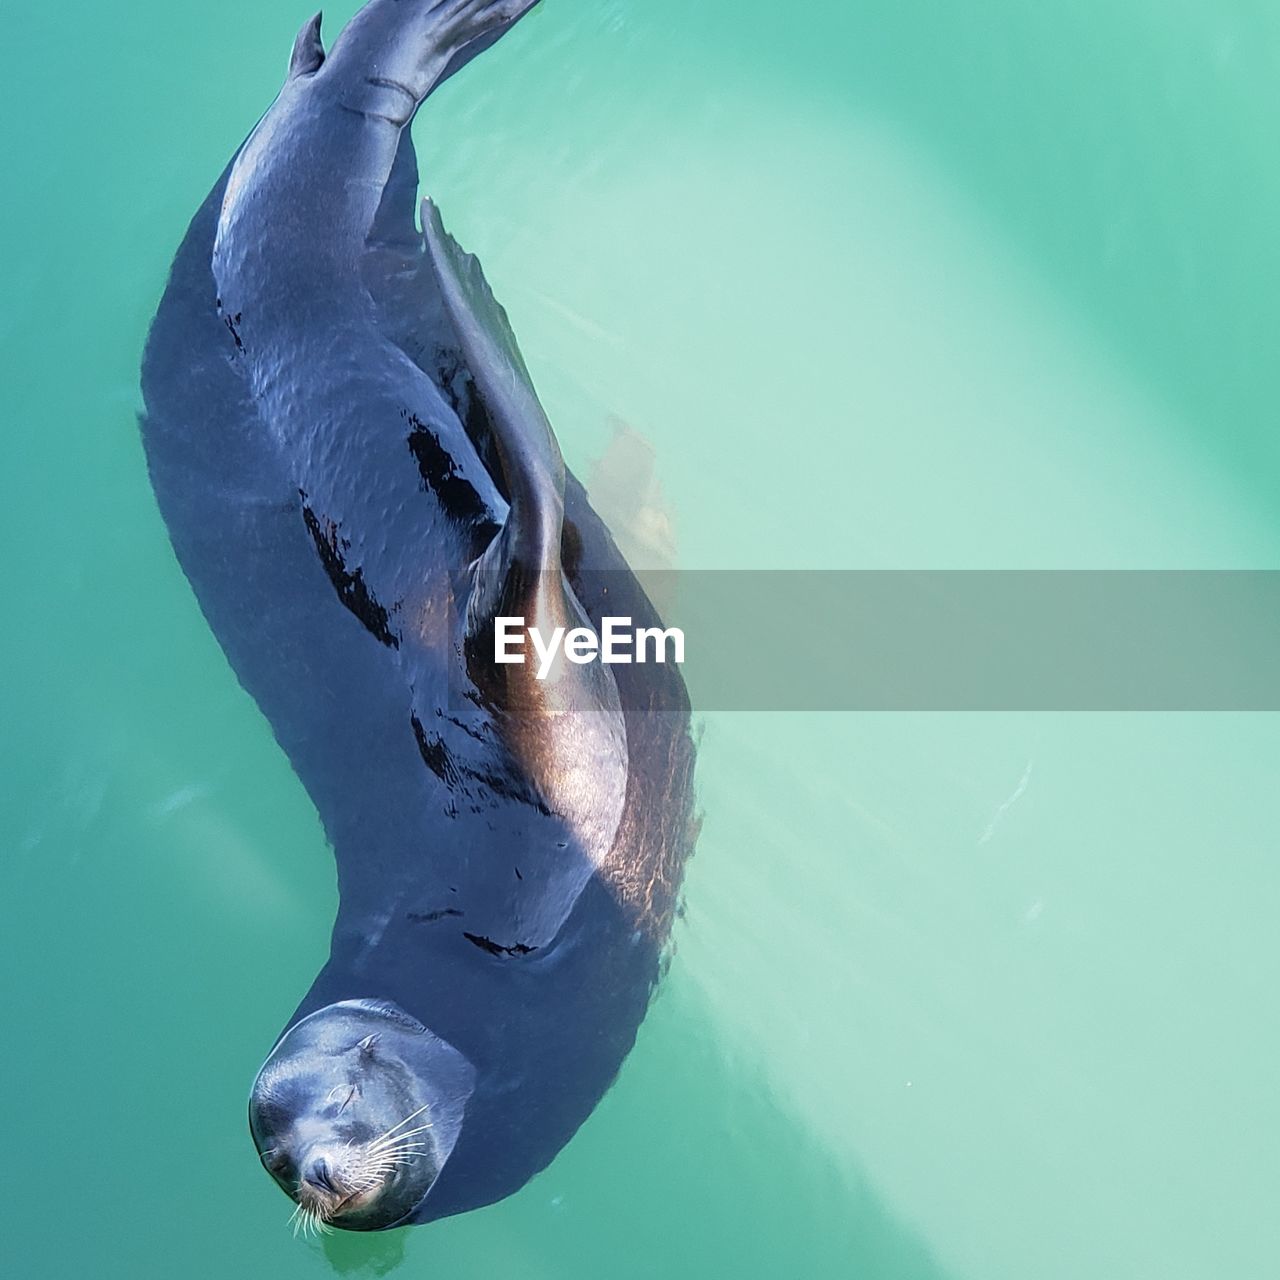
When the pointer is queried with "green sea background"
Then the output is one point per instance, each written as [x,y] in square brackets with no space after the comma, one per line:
[895,284]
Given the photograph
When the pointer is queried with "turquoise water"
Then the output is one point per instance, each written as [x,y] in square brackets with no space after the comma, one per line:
[894,284]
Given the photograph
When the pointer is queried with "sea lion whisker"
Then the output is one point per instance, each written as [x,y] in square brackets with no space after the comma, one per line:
[371,1177]
[374,1161]
[387,1162]
[402,1123]
[399,1137]
[391,1166]
[392,1153]
[386,1144]
[317,1223]
[410,1139]
[382,1143]
[381,1170]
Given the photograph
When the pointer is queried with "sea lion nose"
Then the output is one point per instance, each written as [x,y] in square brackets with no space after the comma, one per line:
[319,1175]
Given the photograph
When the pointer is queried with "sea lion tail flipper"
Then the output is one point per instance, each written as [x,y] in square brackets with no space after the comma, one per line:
[521,570]
[411,47]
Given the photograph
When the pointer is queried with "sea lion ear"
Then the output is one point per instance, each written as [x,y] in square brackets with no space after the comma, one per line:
[308,50]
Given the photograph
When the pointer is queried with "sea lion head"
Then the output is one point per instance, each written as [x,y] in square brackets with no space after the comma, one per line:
[355,1113]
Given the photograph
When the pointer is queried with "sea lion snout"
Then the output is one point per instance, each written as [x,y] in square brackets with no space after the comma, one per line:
[317,1173]
[356,1112]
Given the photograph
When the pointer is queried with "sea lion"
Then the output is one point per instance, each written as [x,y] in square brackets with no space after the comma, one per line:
[358,478]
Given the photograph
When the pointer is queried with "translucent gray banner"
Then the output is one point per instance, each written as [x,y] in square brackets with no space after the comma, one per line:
[969,641]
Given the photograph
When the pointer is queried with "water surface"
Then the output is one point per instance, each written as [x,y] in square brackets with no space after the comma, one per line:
[885,285]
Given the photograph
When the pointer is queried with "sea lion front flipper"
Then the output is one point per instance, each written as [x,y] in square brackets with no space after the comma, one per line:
[520,573]
[522,566]
[566,728]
